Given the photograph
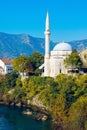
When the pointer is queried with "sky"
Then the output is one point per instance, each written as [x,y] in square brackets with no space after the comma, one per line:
[68,18]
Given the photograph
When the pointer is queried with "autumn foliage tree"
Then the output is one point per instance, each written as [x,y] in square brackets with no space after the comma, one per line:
[22,64]
[78,114]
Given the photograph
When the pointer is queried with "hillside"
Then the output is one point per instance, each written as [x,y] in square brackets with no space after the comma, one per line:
[79,44]
[13,45]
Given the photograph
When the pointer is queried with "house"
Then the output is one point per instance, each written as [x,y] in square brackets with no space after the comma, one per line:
[5,66]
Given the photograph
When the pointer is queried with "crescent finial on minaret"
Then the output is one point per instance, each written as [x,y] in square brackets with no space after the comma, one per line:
[47,22]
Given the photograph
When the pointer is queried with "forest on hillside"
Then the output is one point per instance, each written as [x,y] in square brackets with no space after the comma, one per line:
[65,97]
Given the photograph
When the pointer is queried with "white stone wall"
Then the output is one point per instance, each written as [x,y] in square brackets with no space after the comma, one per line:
[57,62]
[47,67]
[60,53]
[3,66]
[7,68]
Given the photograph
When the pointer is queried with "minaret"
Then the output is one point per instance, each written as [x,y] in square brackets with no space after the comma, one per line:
[47,48]
[47,37]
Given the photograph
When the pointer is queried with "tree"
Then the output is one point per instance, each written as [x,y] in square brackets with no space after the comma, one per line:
[67,87]
[81,82]
[78,114]
[36,59]
[59,113]
[22,64]
[73,61]
[8,82]
[60,79]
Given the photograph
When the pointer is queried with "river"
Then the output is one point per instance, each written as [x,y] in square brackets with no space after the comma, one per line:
[12,119]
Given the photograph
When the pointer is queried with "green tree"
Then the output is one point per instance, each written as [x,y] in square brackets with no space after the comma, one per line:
[36,59]
[49,93]
[9,82]
[19,93]
[73,61]
[18,82]
[61,79]
[67,87]
[22,64]
[1,78]
[35,85]
[78,114]
[81,82]
[59,112]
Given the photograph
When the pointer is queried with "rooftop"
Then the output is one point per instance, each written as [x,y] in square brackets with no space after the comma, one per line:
[6,61]
[62,46]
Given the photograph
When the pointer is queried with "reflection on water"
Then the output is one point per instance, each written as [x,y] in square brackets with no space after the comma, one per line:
[13,119]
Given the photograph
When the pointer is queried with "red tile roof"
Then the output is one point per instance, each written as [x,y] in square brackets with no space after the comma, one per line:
[6,61]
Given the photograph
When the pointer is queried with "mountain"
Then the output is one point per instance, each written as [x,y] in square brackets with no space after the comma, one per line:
[13,45]
[79,44]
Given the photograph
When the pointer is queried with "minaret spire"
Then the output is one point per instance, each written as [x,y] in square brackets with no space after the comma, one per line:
[47,47]
[47,36]
[47,22]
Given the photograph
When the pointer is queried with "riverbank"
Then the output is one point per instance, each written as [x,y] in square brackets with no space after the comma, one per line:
[38,113]
[11,118]
[62,98]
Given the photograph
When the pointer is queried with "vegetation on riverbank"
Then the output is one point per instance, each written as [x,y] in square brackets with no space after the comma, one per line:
[65,97]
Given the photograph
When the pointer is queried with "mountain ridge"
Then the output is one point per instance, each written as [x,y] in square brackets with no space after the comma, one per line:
[14,45]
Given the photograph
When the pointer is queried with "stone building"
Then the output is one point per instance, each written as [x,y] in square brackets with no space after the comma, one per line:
[54,60]
[5,66]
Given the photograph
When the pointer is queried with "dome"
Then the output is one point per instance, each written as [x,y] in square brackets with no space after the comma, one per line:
[62,47]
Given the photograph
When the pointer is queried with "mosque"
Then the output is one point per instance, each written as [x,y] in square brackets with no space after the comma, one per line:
[54,60]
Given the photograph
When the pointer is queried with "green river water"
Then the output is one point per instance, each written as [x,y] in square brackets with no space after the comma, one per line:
[12,119]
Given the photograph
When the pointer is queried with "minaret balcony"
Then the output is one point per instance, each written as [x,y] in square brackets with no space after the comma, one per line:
[47,32]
